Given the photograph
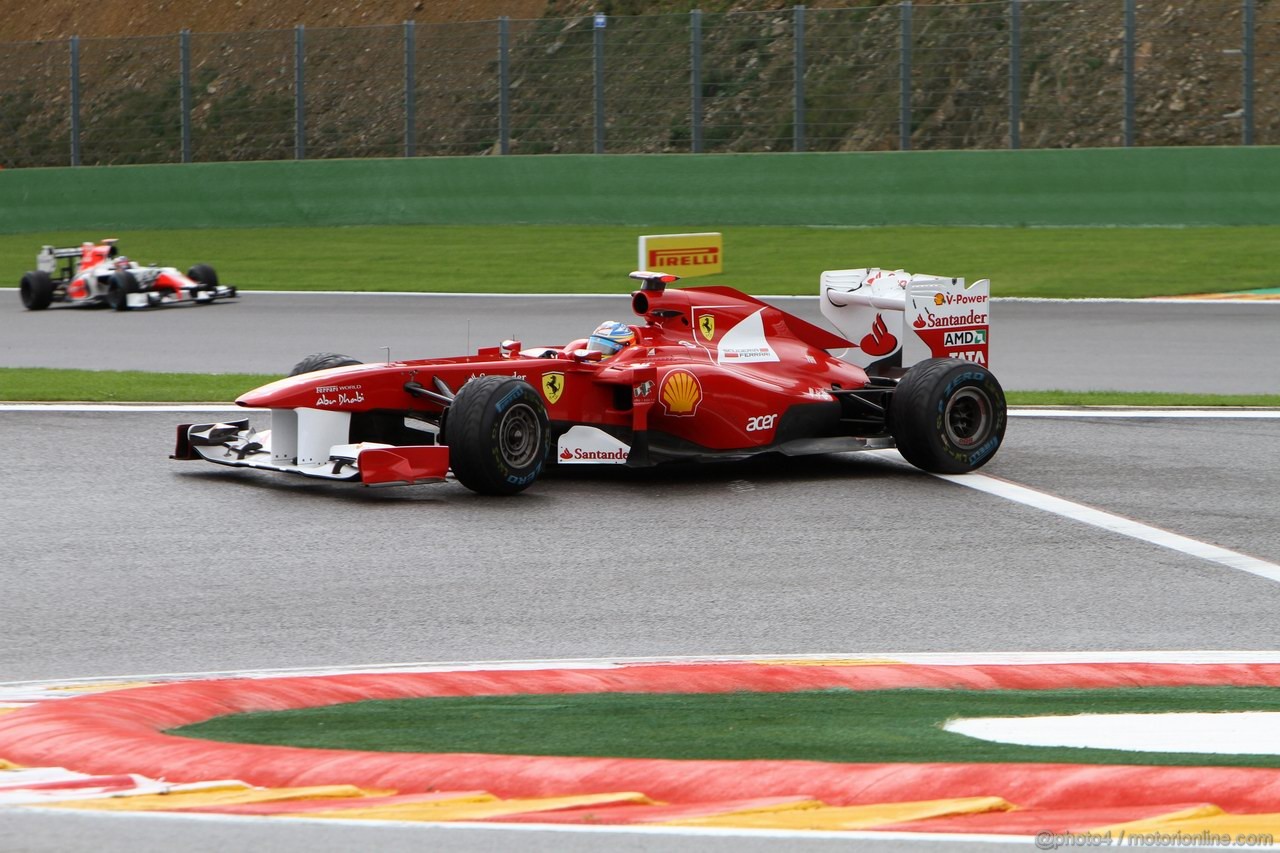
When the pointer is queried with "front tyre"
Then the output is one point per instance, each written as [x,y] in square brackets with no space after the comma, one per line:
[322,361]
[948,416]
[36,290]
[498,435]
[204,274]
[118,289]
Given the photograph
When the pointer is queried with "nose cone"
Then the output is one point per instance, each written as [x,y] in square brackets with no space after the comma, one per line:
[288,393]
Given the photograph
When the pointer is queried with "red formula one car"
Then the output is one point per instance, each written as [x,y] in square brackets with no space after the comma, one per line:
[97,274]
[708,373]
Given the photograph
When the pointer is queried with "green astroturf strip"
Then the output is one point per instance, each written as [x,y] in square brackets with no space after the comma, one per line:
[829,725]
[1041,262]
[41,384]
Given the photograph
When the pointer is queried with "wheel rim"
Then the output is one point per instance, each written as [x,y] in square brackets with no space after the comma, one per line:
[520,436]
[967,418]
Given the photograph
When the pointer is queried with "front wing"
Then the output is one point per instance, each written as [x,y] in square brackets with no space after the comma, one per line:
[234,443]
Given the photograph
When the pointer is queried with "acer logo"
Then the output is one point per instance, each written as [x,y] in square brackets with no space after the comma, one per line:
[761,422]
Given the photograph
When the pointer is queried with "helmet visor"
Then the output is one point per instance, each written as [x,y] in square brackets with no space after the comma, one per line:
[597,343]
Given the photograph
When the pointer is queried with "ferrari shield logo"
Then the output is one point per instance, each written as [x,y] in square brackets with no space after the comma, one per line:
[552,386]
[707,325]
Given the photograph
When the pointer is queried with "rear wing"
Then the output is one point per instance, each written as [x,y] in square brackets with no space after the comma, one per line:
[48,256]
[897,319]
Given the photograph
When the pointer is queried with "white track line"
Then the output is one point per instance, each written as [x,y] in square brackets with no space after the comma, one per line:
[1077,412]
[1225,299]
[124,407]
[1161,656]
[1115,523]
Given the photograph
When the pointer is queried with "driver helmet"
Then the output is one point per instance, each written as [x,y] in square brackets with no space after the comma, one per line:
[611,338]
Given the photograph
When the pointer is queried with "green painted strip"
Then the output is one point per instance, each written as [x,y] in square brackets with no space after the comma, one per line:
[828,725]
[1145,186]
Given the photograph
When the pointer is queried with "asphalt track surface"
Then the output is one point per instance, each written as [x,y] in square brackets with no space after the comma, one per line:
[117,561]
[1216,348]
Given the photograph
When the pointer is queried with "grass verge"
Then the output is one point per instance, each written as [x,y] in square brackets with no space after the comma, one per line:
[46,385]
[1041,262]
[828,725]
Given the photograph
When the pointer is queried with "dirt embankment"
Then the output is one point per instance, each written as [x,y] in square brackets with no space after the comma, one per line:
[59,19]
[1188,76]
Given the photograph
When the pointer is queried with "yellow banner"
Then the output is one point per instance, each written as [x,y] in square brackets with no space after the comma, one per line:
[685,255]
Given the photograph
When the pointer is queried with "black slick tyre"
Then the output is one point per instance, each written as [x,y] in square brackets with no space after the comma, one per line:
[118,289]
[204,274]
[948,416]
[498,435]
[322,361]
[36,290]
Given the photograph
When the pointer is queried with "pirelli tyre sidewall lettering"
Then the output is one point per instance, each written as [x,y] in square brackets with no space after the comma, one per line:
[975,389]
[948,416]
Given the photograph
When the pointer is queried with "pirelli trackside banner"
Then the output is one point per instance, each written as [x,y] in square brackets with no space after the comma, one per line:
[685,255]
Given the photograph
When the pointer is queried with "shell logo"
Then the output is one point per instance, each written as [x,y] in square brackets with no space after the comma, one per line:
[680,393]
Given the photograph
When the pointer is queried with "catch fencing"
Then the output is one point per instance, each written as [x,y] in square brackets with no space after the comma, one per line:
[881,76]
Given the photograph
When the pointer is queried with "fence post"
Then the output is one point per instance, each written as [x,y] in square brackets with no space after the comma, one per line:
[75,100]
[184,53]
[1015,74]
[904,74]
[1250,10]
[1130,64]
[299,88]
[504,86]
[601,21]
[410,90]
[798,130]
[695,80]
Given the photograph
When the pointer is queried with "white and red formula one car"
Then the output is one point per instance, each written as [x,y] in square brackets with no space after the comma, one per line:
[707,373]
[97,274]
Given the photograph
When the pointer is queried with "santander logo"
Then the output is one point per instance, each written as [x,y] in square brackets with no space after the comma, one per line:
[880,341]
[581,454]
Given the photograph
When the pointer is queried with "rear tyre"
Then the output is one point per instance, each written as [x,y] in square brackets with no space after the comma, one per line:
[948,416]
[118,289]
[322,361]
[498,435]
[204,274]
[37,290]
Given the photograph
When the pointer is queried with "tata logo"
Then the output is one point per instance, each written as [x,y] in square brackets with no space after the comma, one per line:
[977,356]
[693,257]
[707,325]
[760,423]
[552,386]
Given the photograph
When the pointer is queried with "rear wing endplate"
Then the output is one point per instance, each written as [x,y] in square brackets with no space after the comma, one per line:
[897,319]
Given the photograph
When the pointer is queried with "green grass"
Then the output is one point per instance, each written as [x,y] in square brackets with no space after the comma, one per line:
[1043,262]
[828,725]
[41,384]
